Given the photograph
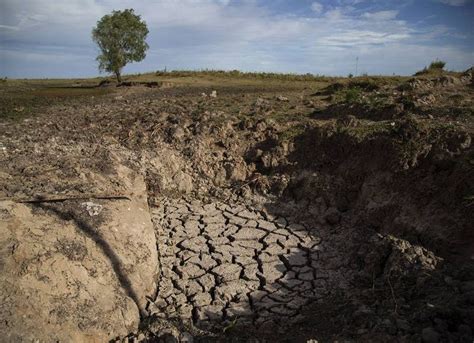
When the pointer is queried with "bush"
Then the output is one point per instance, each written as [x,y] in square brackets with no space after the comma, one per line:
[241,74]
[437,65]
[353,95]
[434,67]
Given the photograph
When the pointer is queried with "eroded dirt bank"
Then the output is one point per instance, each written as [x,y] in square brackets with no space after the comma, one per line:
[287,211]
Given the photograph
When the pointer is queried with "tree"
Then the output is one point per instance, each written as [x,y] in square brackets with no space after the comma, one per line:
[121,39]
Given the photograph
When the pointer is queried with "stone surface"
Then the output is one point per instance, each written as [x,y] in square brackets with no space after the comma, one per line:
[74,270]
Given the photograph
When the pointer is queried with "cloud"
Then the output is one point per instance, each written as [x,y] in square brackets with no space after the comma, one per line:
[381,15]
[316,7]
[335,14]
[193,34]
[454,2]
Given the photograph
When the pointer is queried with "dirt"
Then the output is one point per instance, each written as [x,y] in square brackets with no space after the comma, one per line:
[242,210]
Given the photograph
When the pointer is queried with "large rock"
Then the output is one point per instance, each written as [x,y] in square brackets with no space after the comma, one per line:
[71,274]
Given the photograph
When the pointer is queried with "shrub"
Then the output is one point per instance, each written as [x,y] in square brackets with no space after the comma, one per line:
[437,65]
[352,95]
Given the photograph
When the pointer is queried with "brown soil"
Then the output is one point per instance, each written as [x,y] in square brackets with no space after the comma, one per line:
[282,211]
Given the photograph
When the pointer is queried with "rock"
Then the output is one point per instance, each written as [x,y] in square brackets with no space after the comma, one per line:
[282,98]
[84,279]
[235,171]
[213,94]
[429,335]
[260,102]
[91,208]
[184,182]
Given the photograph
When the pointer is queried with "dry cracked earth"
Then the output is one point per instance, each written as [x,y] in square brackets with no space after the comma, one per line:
[223,262]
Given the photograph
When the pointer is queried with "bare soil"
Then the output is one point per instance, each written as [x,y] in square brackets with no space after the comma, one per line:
[281,210]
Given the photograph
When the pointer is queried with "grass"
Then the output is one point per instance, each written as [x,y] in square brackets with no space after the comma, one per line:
[435,67]
[352,95]
[236,74]
[23,98]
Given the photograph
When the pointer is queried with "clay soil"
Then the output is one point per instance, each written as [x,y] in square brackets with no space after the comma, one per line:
[282,208]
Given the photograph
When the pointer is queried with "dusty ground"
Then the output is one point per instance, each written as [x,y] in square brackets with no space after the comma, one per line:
[281,209]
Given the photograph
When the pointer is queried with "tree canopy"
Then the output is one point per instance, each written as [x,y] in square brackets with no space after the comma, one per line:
[121,39]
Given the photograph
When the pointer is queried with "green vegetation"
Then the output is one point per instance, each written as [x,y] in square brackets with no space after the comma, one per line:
[367,128]
[292,132]
[121,39]
[352,95]
[244,75]
[23,98]
[437,66]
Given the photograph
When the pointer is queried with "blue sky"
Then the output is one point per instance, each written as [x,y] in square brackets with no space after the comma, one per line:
[52,38]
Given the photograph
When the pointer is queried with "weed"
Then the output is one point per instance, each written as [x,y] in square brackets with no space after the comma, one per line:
[353,95]
[230,326]
[437,64]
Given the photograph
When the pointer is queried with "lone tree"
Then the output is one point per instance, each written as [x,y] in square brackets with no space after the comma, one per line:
[121,39]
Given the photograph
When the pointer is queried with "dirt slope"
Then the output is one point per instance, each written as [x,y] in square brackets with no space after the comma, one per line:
[275,206]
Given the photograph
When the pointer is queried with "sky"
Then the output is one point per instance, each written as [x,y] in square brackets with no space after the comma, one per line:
[52,38]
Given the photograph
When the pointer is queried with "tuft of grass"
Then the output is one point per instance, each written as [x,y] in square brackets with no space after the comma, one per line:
[353,95]
[291,133]
[437,64]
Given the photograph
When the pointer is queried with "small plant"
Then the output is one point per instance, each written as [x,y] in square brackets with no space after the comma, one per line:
[230,326]
[353,95]
[350,76]
[437,65]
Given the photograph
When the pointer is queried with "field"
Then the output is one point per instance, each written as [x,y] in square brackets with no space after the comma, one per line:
[229,206]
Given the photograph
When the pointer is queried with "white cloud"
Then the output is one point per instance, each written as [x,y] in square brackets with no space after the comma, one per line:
[216,34]
[335,14]
[381,15]
[454,2]
[316,7]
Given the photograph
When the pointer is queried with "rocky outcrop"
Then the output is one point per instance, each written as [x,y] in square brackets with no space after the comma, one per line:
[76,270]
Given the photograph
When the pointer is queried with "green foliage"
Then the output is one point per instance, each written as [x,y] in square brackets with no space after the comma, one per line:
[241,75]
[437,64]
[229,327]
[121,39]
[352,95]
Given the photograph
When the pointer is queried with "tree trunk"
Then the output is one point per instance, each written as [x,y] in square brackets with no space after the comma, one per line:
[119,78]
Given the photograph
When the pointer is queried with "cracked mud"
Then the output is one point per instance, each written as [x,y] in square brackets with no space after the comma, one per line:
[225,262]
